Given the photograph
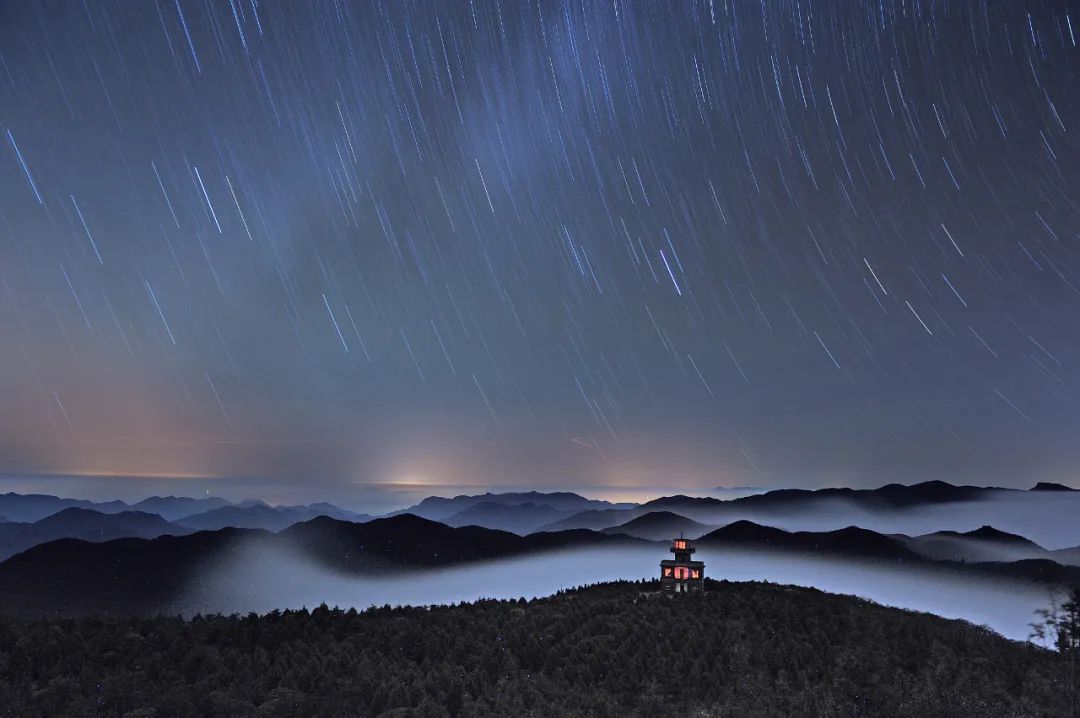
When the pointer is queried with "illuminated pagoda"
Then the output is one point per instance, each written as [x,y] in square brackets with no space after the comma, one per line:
[682,574]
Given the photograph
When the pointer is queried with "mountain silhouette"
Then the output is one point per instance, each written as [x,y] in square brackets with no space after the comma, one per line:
[979,551]
[408,540]
[438,508]
[984,544]
[989,533]
[82,524]
[259,515]
[1050,486]
[72,577]
[884,497]
[850,541]
[710,510]
[659,526]
[310,511]
[27,508]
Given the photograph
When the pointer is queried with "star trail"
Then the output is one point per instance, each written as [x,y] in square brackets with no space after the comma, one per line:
[540,243]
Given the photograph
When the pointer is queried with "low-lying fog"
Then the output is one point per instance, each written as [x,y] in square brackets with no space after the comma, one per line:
[261,579]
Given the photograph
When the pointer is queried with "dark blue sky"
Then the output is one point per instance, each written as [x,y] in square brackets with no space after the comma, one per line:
[540,243]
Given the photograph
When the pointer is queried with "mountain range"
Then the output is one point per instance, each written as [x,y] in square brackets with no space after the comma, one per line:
[82,524]
[529,512]
[146,575]
[28,508]
[257,515]
[830,504]
[982,545]
[521,512]
[31,519]
[139,576]
[80,556]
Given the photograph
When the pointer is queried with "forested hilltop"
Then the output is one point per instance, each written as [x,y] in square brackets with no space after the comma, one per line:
[616,649]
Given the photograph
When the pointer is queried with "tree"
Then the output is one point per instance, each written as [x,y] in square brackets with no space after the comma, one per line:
[1068,628]
[1060,624]
[1060,628]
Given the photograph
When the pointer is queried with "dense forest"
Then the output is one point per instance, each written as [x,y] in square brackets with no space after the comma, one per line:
[618,649]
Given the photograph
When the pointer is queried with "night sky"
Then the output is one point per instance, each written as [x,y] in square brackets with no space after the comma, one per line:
[541,243]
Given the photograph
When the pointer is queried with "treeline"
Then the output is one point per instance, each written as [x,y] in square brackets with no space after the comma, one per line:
[614,650]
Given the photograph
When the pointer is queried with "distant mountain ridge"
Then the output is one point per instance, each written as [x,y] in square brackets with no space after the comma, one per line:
[438,507]
[595,519]
[760,507]
[888,496]
[171,508]
[53,518]
[986,550]
[28,508]
[597,513]
[522,512]
[1050,486]
[533,511]
[258,515]
[519,518]
[85,524]
[983,545]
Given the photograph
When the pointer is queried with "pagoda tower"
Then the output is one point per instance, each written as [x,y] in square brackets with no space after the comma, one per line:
[682,574]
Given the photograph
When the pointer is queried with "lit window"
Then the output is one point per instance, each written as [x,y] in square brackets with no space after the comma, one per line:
[695,573]
[667,571]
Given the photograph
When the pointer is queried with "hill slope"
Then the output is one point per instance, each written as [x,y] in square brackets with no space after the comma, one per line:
[609,650]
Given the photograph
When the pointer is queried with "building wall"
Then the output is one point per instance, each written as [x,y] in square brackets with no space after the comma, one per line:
[671,583]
